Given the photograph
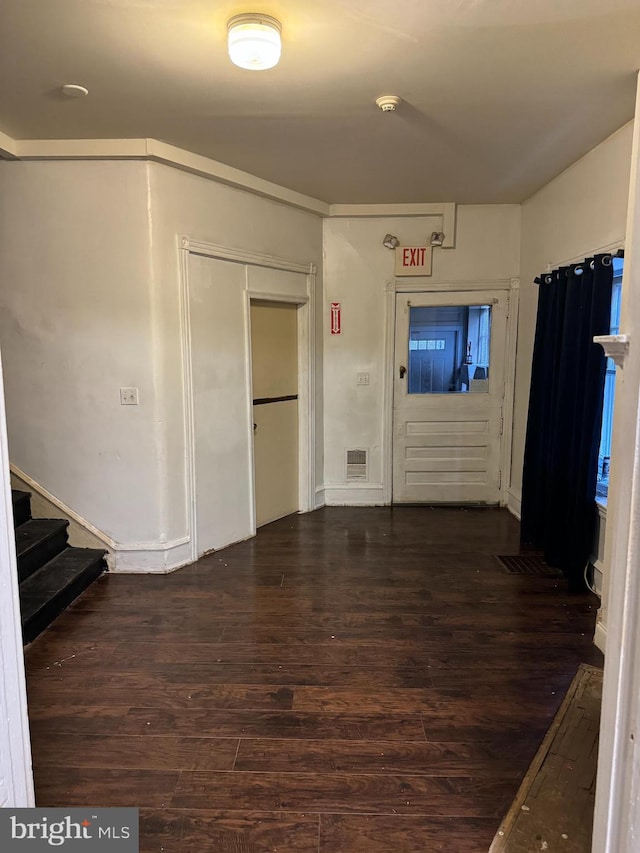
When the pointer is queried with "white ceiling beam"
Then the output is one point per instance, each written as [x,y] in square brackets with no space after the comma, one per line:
[445,210]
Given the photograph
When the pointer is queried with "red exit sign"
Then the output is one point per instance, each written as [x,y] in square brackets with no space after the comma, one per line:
[413,260]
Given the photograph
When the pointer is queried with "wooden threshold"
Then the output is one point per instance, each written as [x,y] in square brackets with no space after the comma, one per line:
[553,809]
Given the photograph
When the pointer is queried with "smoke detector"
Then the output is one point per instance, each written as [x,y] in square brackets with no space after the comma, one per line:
[73,90]
[388,103]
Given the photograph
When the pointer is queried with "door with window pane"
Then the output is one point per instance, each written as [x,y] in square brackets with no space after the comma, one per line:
[448,397]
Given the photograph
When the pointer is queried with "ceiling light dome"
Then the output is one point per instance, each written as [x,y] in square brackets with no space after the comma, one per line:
[254,41]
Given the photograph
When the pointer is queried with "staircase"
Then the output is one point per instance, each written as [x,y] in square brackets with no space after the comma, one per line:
[52,574]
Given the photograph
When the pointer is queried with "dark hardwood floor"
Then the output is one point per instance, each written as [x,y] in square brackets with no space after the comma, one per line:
[349,681]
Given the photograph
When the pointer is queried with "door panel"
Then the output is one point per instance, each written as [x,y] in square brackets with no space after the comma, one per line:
[446,443]
[220,402]
[274,348]
[276,456]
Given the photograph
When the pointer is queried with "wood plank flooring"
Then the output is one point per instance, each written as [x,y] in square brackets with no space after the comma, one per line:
[349,681]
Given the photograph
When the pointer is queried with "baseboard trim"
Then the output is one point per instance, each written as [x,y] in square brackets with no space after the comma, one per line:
[600,637]
[514,503]
[320,499]
[598,575]
[354,494]
[129,558]
[154,558]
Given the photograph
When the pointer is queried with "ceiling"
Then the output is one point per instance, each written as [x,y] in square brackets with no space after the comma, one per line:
[499,96]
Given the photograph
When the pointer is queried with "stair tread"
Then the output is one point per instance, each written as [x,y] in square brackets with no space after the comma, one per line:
[17,495]
[35,530]
[54,577]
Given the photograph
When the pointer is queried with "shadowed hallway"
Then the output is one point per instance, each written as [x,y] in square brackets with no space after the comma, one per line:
[349,681]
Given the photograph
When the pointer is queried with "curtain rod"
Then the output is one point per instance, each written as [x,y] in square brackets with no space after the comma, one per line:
[619,253]
[611,249]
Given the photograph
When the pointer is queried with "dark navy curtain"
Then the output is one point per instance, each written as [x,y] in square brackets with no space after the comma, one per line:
[565,415]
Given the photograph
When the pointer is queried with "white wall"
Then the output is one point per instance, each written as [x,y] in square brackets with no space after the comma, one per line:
[185,204]
[76,325]
[580,212]
[617,808]
[89,303]
[584,209]
[357,270]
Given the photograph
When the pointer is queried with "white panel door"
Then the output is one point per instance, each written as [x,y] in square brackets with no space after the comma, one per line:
[448,397]
[221,402]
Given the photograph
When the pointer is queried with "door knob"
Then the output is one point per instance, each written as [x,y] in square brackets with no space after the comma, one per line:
[403,370]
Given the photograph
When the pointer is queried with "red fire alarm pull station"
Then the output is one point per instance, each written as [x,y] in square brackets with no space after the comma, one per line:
[336,319]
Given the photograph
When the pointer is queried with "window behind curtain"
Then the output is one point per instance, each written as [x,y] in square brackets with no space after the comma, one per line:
[604,454]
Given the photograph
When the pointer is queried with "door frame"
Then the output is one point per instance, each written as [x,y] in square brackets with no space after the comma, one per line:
[306,369]
[617,808]
[16,779]
[395,286]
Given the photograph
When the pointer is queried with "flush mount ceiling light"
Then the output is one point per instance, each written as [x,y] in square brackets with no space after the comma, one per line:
[254,41]
[390,242]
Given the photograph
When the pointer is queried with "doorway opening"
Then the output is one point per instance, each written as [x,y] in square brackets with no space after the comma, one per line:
[274,370]
[218,291]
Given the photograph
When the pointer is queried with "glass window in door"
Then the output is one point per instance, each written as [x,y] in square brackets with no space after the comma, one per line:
[449,349]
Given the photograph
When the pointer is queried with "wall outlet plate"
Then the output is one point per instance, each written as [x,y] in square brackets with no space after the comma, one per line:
[362,379]
[128,396]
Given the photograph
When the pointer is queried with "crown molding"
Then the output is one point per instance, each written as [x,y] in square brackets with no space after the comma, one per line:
[153,150]
[158,152]
[7,147]
[161,152]
[81,149]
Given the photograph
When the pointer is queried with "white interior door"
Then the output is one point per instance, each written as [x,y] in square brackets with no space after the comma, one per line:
[449,384]
[221,403]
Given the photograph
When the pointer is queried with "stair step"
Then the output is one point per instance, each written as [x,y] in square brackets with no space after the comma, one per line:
[48,591]
[38,541]
[21,506]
